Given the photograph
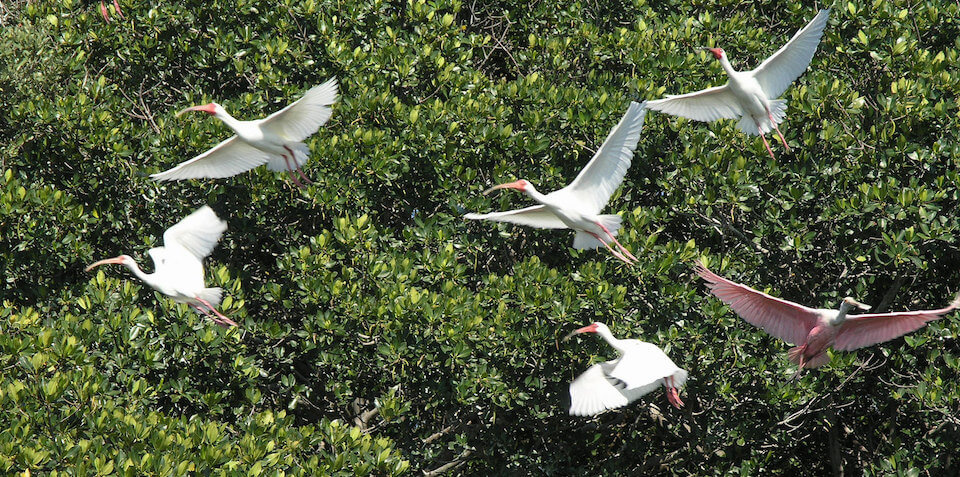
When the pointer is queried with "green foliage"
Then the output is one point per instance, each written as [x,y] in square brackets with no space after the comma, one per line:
[367,299]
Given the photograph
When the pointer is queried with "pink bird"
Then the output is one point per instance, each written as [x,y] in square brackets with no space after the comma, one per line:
[641,368]
[814,330]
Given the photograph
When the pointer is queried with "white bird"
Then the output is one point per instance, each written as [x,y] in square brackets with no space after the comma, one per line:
[751,95]
[275,140]
[641,368]
[178,265]
[577,205]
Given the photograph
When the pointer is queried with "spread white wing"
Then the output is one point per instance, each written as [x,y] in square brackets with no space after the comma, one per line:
[536,216]
[705,105]
[226,159]
[304,116]
[594,392]
[603,174]
[777,72]
[643,367]
[197,233]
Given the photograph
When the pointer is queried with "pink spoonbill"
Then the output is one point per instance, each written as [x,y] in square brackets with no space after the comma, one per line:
[814,330]
[178,265]
[578,205]
[275,140]
[751,95]
[641,368]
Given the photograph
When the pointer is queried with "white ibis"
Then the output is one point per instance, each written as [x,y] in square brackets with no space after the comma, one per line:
[814,330]
[275,140]
[751,95]
[578,205]
[641,368]
[178,265]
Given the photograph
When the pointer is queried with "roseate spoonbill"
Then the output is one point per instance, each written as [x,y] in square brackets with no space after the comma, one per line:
[178,265]
[577,205]
[641,368]
[751,95]
[814,330]
[275,140]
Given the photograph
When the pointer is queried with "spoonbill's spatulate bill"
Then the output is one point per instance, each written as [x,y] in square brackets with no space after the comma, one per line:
[641,368]
[178,265]
[275,140]
[752,95]
[578,205]
[814,330]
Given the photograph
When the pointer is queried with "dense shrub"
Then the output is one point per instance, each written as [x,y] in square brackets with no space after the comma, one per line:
[381,332]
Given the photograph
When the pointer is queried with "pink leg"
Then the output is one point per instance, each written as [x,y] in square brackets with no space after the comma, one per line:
[782,139]
[208,315]
[292,175]
[297,166]
[116,5]
[614,252]
[103,11]
[224,319]
[672,395]
[621,247]
[765,143]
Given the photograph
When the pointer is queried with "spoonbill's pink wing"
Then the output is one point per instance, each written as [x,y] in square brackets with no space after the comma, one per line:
[786,65]
[197,233]
[595,391]
[601,177]
[303,117]
[643,366]
[706,105]
[784,319]
[536,216]
[226,159]
[872,328]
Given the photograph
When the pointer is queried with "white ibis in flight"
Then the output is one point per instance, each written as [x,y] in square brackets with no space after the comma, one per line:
[178,265]
[641,368]
[578,205]
[752,95]
[275,140]
[814,330]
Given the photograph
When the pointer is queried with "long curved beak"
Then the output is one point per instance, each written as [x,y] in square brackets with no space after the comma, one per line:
[507,185]
[187,110]
[114,260]
[858,304]
[591,328]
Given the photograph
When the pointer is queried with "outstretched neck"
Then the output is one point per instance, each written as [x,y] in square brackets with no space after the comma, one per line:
[146,277]
[841,314]
[725,63]
[534,194]
[230,121]
[616,343]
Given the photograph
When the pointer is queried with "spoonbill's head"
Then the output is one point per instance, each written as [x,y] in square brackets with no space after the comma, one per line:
[521,185]
[717,52]
[595,327]
[851,303]
[121,260]
[209,108]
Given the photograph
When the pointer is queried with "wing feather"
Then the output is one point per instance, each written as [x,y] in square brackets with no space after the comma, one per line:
[226,159]
[535,216]
[777,72]
[601,177]
[705,105]
[196,233]
[300,119]
[784,319]
[858,331]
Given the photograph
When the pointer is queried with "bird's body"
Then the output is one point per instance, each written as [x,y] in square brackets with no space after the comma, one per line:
[578,205]
[815,330]
[276,140]
[751,95]
[641,368]
[178,265]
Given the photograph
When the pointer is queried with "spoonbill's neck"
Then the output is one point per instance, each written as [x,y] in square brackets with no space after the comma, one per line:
[841,314]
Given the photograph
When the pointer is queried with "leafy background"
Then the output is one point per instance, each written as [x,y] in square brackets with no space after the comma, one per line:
[382,334]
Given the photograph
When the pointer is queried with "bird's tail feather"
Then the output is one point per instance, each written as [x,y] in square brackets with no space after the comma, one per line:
[778,109]
[211,295]
[795,354]
[583,240]
[301,153]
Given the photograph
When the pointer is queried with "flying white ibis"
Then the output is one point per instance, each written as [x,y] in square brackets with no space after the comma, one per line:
[178,265]
[751,95]
[814,330]
[578,205]
[275,140]
[641,368]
